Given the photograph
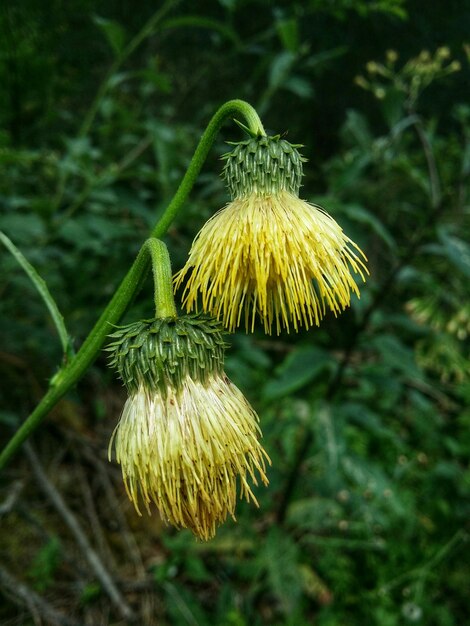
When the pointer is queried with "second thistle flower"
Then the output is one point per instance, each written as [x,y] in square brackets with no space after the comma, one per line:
[268,253]
[187,439]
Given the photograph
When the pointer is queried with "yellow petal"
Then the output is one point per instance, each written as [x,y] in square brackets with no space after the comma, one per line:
[272,256]
[190,451]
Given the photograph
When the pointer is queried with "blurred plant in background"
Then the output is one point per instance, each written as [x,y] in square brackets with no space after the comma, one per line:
[366,420]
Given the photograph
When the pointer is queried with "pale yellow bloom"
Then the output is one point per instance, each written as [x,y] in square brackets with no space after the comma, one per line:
[189,451]
[272,255]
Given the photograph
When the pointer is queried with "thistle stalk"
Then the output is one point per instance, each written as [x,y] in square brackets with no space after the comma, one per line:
[72,371]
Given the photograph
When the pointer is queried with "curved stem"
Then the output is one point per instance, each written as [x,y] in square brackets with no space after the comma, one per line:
[162,278]
[229,109]
[74,370]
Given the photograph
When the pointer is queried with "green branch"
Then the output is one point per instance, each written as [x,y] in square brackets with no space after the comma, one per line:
[43,291]
[77,366]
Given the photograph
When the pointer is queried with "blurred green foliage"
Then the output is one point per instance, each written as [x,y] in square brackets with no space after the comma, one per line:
[367,418]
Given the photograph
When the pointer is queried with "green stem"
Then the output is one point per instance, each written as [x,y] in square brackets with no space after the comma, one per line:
[162,278]
[74,370]
[229,109]
[71,373]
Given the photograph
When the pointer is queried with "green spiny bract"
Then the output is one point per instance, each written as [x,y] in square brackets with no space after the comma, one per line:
[263,165]
[160,353]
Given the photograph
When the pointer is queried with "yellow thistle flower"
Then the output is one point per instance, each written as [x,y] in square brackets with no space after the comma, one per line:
[187,439]
[269,253]
[187,451]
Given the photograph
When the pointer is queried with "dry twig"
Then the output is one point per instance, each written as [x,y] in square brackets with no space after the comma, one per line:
[9,503]
[93,517]
[147,602]
[92,557]
[23,595]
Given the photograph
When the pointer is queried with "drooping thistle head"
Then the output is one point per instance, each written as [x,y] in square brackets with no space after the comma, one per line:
[187,439]
[268,253]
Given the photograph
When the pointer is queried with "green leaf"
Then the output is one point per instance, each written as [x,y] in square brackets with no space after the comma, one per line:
[392,106]
[90,592]
[229,4]
[367,420]
[300,86]
[371,477]
[397,356]
[10,419]
[456,250]
[315,514]
[182,606]
[114,33]
[280,557]
[195,569]
[300,367]
[45,564]
[357,127]
[319,59]
[43,291]
[25,228]
[288,31]
[280,69]
[197,21]
[362,216]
